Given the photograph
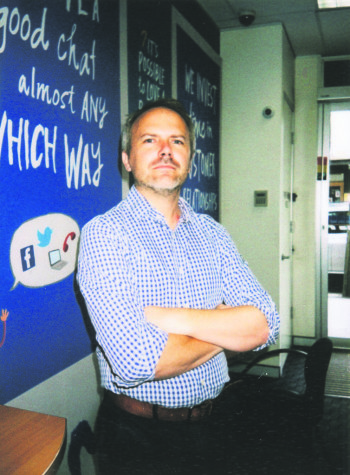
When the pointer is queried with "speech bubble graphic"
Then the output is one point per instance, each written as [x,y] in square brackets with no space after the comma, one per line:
[36,265]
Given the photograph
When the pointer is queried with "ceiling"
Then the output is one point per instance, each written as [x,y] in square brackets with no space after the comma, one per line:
[310,31]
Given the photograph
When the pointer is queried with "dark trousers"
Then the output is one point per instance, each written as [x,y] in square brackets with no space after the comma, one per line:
[128,444]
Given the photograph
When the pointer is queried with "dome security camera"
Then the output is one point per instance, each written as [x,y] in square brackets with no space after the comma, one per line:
[246,17]
[268,113]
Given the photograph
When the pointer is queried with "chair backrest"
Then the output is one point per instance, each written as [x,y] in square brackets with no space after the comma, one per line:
[316,365]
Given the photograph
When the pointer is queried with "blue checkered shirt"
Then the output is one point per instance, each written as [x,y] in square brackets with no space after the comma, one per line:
[129,259]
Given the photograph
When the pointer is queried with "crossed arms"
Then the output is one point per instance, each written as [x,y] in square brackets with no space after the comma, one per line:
[195,336]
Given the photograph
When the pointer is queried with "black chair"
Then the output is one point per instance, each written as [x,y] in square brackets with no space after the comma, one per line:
[283,418]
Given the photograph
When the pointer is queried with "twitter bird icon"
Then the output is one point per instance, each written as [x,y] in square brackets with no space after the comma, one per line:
[45,237]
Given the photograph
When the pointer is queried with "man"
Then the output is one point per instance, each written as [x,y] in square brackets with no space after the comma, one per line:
[167,292]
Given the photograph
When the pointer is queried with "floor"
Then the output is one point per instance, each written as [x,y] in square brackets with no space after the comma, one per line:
[334,429]
[331,455]
[338,316]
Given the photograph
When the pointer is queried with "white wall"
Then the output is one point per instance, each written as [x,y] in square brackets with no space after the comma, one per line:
[250,153]
[74,394]
[288,70]
[307,77]
[286,204]
[253,77]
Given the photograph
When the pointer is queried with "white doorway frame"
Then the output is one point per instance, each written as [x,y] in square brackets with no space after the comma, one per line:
[322,199]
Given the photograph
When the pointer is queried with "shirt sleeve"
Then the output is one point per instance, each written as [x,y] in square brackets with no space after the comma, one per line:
[240,287]
[130,345]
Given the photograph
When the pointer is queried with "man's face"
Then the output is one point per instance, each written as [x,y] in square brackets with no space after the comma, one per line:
[160,151]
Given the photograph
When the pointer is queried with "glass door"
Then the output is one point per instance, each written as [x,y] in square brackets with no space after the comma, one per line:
[333,188]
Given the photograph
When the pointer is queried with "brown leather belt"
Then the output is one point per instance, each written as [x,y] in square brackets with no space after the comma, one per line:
[153,411]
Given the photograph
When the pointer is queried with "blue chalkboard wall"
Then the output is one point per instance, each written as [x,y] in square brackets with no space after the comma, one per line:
[149,52]
[59,132]
[198,88]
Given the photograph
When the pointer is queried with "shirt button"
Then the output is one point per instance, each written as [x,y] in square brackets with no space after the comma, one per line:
[203,382]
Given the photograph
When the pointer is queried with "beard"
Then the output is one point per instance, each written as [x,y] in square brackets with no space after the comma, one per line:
[163,186]
[165,190]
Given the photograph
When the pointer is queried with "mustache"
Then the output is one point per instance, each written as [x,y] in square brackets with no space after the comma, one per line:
[164,160]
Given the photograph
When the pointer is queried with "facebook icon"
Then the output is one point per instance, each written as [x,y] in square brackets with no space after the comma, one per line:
[27,257]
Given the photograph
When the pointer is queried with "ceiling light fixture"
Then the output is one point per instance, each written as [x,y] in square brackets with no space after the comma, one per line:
[333,4]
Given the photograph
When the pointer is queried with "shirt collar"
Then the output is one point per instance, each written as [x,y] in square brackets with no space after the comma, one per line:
[141,208]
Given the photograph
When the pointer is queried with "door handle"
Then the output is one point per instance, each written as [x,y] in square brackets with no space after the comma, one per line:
[283,257]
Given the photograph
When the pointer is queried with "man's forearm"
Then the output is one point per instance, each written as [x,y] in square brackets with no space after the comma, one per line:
[183,353]
[239,328]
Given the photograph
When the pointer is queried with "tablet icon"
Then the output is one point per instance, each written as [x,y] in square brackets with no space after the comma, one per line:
[55,259]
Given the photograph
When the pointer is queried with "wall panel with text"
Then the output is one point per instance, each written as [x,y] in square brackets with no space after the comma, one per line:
[149,52]
[59,132]
[198,72]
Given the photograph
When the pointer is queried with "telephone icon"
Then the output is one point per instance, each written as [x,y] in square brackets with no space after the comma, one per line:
[65,242]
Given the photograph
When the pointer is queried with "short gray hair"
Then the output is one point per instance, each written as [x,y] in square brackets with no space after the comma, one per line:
[171,104]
